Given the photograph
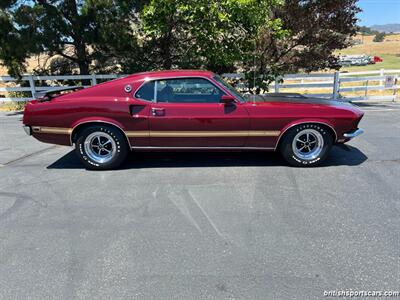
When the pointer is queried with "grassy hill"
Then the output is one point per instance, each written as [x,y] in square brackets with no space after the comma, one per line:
[389,50]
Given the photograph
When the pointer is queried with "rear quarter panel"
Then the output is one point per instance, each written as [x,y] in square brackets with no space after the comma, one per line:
[107,103]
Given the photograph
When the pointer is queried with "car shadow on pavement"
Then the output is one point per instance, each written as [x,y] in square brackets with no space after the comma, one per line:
[340,156]
[15,113]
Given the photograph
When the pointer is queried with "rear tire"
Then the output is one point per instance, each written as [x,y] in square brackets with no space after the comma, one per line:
[101,147]
[306,145]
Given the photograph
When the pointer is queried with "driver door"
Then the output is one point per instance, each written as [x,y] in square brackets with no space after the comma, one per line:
[187,112]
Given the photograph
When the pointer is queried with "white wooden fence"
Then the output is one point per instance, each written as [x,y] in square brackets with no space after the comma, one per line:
[333,83]
[338,83]
[28,83]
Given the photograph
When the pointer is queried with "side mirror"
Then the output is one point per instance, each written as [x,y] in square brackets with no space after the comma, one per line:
[227,99]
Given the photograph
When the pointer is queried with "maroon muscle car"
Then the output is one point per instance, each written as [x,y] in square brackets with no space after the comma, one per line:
[185,110]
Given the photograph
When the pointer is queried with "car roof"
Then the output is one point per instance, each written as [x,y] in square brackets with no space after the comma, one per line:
[171,73]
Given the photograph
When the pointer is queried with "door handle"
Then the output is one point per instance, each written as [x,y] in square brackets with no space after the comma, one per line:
[155,111]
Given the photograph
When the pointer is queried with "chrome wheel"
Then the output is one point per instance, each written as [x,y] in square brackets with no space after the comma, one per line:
[100,147]
[308,144]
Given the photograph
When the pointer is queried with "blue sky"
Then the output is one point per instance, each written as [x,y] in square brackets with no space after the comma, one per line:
[379,12]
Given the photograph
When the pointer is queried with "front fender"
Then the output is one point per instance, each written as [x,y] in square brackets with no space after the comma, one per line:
[307,120]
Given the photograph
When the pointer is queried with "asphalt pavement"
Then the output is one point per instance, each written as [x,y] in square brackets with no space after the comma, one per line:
[200,225]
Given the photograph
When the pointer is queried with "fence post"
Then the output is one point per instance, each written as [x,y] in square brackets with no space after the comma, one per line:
[32,86]
[277,84]
[93,79]
[382,73]
[336,85]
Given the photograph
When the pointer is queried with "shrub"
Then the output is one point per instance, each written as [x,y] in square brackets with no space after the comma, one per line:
[379,37]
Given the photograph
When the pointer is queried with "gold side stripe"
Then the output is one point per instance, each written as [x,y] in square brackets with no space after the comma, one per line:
[233,133]
[137,133]
[53,130]
[264,133]
[201,133]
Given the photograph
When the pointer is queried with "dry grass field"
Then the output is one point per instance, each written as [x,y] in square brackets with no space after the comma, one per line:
[389,50]
[391,46]
[32,63]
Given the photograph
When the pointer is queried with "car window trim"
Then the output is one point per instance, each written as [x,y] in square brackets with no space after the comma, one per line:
[137,90]
[155,91]
[180,77]
[239,100]
[186,77]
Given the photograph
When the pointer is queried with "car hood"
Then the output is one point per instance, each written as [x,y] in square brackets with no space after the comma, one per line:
[294,99]
[267,100]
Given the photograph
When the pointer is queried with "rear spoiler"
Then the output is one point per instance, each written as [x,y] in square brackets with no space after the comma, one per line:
[52,93]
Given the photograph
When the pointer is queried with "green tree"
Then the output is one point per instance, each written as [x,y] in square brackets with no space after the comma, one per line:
[364,30]
[201,33]
[309,33]
[88,34]
[12,50]
[261,38]
[379,37]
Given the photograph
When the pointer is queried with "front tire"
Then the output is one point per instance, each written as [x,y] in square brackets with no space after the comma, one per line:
[306,145]
[101,147]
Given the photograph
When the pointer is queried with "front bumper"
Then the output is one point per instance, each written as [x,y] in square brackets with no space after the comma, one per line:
[27,129]
[353,134]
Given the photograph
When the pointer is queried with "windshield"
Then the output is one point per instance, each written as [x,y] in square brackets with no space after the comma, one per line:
[230,88]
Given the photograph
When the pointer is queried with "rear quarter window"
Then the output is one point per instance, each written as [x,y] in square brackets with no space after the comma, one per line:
[146,91]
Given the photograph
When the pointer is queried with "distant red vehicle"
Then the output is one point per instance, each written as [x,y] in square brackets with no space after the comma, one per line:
[377,59]
[186,110]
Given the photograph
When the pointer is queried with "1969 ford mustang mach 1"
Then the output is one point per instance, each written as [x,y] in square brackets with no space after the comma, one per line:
[186,110]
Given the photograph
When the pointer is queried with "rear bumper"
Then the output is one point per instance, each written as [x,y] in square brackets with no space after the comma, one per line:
[27,129]
[353,134]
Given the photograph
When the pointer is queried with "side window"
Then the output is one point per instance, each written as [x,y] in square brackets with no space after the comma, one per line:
[146,92]
[187,90]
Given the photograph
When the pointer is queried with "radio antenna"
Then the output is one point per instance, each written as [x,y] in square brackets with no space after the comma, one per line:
[254,71]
